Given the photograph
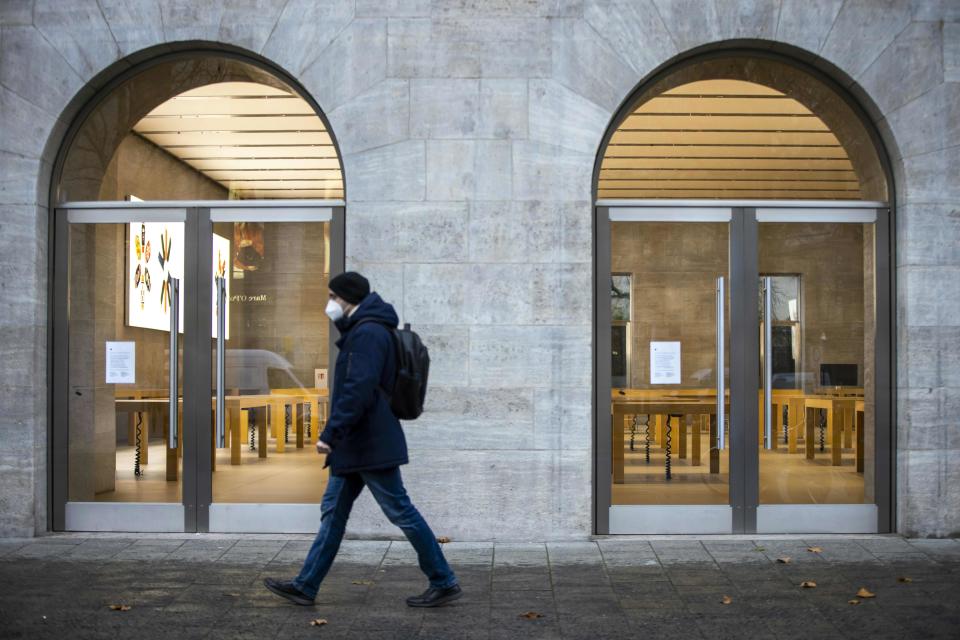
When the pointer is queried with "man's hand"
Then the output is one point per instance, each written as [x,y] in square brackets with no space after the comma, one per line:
[323,447]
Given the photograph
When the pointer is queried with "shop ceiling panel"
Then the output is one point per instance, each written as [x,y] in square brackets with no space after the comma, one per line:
[217,164]
[723,139]
[255,151]
[255,140]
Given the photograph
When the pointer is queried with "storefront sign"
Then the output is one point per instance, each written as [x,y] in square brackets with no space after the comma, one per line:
[121,362]
[664,363]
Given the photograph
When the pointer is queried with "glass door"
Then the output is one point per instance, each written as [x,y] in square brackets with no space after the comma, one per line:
[190,352]
[271,345]
[744,355]
[817,313]
[666,312]
[118,409]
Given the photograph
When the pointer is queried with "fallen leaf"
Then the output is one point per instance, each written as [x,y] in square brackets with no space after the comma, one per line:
[531,615]
[726,600]
[815,549]
[784,560]
[759,548]
[904,579]
[319,622]
[443,539]
[865,593]
[232,595]
[808,584]
[120,607]
[854,601]
[363,582]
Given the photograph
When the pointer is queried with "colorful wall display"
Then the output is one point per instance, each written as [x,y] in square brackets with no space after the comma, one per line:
[154,253]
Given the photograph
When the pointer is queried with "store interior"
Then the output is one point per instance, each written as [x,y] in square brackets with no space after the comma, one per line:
[191,130]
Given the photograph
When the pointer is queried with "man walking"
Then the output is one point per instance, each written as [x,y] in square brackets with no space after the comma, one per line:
[365,446]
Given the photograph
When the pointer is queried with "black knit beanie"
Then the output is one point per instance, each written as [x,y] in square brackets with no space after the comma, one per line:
[351,286]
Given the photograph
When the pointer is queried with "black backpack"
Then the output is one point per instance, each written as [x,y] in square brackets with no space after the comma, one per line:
[413,367]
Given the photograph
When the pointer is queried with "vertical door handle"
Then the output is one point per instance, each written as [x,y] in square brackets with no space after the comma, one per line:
[767,363]
[221,284]
[721,366]
[174,435]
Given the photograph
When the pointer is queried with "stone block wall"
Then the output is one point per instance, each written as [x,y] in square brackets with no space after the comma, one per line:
[469,131]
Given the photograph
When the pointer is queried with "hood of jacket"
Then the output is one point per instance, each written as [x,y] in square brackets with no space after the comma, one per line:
[373,307]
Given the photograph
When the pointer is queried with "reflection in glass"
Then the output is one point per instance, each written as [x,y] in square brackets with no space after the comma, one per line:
[118,432]
[823,345]
[275,363]
[664,289]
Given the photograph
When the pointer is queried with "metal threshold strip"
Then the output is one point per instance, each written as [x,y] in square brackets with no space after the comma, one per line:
[212,204]
[766,204]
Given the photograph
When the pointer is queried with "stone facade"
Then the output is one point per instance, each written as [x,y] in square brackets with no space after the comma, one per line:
[477,123]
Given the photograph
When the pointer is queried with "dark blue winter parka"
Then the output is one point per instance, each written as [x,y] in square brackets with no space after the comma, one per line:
[362,431]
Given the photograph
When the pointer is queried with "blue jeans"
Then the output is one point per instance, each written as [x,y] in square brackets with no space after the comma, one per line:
[387,488]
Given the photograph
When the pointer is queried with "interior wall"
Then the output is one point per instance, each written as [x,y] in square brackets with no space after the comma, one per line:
[675,266]
[143,169]
[279,307]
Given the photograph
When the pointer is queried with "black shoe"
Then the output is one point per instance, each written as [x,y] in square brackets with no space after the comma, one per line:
[434,597]
[288,591]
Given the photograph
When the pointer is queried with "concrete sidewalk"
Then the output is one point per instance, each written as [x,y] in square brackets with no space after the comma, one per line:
[208,586]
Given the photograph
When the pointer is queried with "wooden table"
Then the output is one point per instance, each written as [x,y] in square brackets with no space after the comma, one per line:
[155,408]
[237,421]
[841,417]
[676,407]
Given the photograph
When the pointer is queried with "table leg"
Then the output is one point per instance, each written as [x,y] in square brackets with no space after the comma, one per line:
[278,415]
[848,420]
[145,438]
[262,434]
[298,417]
[697,429]
[239,425]
[836,433]
[132,428]
[808,437]
[776,424]
[714,452]
[682,435]
[859,418]
[794,420]
[668,447]
[618,442]
[314,421]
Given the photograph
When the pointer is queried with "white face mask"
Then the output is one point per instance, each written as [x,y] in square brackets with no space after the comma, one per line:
[334,310]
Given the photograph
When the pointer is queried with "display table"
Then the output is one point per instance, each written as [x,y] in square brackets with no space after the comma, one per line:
[672,408]
[149,406]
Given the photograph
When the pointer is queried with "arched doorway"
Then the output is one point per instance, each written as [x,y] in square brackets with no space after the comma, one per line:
[743,316]
[199,215]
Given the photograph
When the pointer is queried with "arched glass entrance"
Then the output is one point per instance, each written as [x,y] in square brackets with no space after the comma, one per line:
[199,217]
[743,307]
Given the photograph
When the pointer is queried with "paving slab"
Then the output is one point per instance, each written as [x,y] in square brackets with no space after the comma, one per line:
[211,587]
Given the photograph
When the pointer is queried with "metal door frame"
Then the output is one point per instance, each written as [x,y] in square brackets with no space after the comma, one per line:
[744,353]
[192,514]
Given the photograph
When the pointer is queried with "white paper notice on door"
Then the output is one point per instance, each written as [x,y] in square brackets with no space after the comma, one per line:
[664,363]
[121,362]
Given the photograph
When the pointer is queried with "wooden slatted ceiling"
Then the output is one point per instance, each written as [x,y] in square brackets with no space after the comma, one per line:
[255,140]
[726,139]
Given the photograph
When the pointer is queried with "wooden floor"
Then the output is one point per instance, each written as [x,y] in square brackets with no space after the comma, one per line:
[294,476]
[297,476]
[785,478]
